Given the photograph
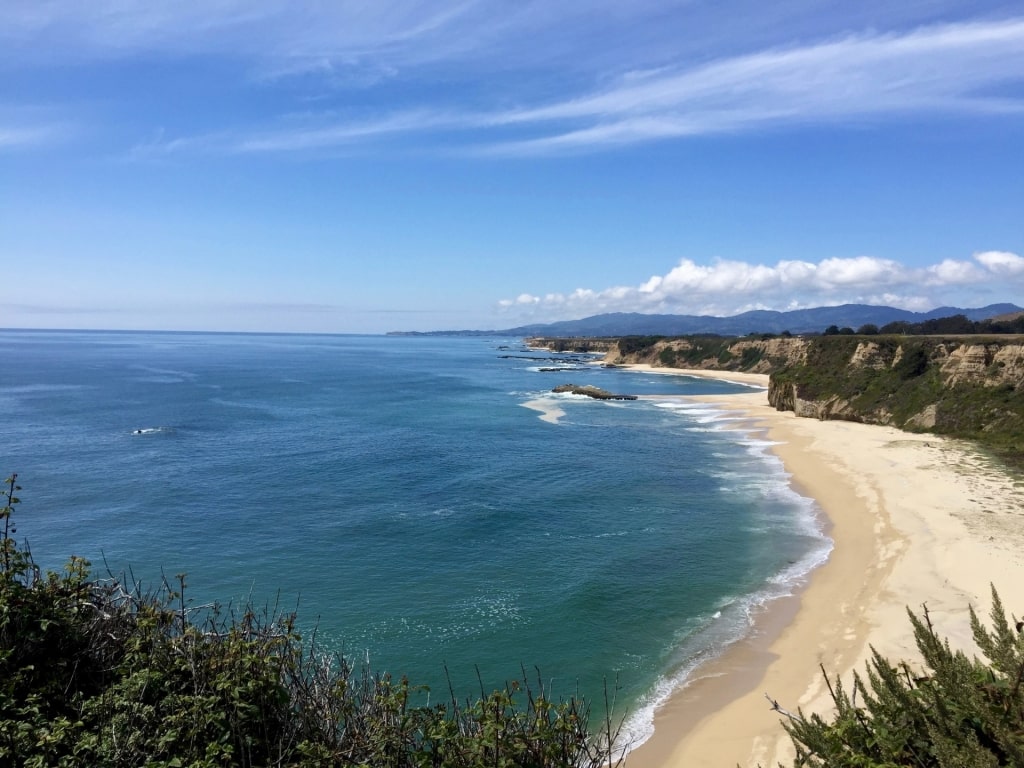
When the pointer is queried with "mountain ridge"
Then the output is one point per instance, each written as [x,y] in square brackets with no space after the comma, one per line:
[811,320]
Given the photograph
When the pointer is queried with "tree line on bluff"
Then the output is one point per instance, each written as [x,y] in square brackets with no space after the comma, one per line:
[953,325]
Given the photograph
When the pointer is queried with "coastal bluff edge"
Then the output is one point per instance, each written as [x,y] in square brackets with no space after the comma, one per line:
[963,386]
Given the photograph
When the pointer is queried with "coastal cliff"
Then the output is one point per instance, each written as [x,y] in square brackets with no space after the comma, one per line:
[750,354]
[970,387]
[579,345]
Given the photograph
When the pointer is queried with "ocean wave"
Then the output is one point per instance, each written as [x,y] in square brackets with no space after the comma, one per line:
[31,389]
[164,375]
[735,620]
[761,475]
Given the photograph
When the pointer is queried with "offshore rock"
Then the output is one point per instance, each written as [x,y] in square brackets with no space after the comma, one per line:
[591,391]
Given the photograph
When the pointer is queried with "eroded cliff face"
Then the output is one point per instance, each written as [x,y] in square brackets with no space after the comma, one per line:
[749,355]
[994,364]
[556,344]
[990,365]
[783,396]
[959,386]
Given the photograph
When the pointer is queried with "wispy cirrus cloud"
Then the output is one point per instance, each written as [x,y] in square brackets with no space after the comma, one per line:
[256,29]
[478,75]
[29,128]
[306,134]
[315,136]
[727,287]
[955,69]
[17,136]
[284,37]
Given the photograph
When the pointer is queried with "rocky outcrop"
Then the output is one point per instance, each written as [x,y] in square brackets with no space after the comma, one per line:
[989,365]
[591,391]
[869,354]
[783,396]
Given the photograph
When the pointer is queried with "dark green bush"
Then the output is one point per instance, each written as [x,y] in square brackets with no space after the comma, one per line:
[630,345]
[94,672]
[750,357]
[913,362]
[956,713]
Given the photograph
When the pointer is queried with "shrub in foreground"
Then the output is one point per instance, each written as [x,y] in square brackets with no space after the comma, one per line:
[959,712]
[97,672]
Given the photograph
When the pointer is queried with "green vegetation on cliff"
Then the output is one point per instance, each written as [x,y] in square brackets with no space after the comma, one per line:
[966,389]
[711,352]
[96,672]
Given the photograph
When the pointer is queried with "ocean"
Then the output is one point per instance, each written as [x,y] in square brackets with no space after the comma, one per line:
[397,494]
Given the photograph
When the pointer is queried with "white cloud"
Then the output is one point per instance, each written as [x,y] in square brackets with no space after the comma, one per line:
[861,271]
[951,272]
[726,287]
[1002,263]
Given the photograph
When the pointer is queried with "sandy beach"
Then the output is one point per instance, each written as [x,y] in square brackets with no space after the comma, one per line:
[914,518]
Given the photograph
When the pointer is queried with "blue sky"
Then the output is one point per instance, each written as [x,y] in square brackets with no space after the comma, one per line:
[380,165]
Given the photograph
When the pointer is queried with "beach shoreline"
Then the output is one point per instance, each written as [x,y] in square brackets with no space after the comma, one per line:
[915,518]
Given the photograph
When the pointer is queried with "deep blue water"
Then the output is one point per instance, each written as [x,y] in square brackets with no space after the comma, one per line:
[398,492]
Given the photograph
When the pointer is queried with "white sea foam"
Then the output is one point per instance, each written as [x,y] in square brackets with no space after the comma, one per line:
[31,389]
[733,622]
[164,375]
[764,476]
[749,385]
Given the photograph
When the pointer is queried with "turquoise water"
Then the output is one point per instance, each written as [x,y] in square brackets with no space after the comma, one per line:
[398,492]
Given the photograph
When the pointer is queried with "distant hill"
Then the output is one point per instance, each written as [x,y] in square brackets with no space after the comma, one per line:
[758,321]
[1009,317]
